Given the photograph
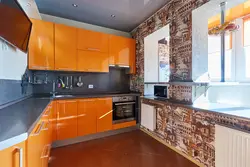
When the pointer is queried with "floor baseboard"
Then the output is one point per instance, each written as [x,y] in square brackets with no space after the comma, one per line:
[67,142]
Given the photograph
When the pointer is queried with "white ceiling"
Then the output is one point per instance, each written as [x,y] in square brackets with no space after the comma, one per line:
[128,13]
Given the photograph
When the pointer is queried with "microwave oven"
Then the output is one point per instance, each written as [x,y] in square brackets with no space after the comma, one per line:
[160,91]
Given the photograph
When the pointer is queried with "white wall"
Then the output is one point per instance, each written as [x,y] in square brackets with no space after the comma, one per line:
[13,62]
[84,25]
[151,56]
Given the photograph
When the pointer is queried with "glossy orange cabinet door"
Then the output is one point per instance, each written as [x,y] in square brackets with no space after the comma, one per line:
[66,119]
[35,145]
[92,41]
[132,57]
[54,121]
[86,117]
[41,46]
[10,157]
[120,50]
[104,114]
[92,61]
[65,47]
[124,125]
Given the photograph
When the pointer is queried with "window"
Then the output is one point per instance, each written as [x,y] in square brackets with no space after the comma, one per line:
[246,41]
[214,57]
[237,57]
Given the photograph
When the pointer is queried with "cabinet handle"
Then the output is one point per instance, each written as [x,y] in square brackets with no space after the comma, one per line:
[47,113]
[20,150]
[93,49]
[46,128]
[47,151]
[39,130]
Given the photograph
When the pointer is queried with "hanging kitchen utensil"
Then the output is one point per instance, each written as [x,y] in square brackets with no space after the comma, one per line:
[79,83]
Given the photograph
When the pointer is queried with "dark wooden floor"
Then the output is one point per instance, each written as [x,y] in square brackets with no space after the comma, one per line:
[132,149]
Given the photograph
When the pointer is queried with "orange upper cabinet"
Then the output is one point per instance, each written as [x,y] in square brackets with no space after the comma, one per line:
[92,61]
[12,156]
[86,117]
[41,46]
[92,41]
[65,47]
[104,114]
[66,119]
[121,51]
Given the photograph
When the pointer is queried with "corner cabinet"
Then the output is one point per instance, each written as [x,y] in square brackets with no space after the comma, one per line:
[65,48]
[41,46]
[13,156]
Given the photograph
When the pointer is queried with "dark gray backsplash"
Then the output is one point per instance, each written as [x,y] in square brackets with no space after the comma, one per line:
[116,81]
[12,90]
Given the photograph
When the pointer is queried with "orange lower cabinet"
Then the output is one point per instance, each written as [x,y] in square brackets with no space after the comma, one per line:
[35,145]
[86,117]
[53,121]
[45,156]
[104,114]
[66,119]
[124,125]
[12,156]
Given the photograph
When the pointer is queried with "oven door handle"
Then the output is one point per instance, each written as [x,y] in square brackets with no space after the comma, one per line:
[119,104]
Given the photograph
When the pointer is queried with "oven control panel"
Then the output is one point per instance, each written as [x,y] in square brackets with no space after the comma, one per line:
[124,98]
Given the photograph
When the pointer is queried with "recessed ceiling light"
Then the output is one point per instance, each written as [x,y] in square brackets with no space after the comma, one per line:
[112,15]
[75,5]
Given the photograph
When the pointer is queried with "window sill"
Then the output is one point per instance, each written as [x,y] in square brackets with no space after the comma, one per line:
[229,83]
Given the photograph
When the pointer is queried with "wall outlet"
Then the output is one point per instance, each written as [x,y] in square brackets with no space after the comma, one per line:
[90,86]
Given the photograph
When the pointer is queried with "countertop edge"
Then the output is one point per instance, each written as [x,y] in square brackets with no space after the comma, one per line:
[13,141]
[196,108]
[238,126]
[38,118]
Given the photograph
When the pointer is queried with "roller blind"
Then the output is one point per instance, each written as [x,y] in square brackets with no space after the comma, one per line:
[231,14]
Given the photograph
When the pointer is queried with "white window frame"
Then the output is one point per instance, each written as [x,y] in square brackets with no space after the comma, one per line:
[238,65]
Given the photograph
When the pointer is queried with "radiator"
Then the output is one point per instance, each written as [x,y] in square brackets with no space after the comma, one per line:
[148,116]
[232,148]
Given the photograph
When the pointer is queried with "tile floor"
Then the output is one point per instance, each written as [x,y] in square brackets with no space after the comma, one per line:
[132,149]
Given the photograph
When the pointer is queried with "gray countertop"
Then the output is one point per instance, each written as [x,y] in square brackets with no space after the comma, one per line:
[232,110]
[19,119]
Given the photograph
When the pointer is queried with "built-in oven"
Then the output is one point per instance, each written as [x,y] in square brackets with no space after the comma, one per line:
[124,109]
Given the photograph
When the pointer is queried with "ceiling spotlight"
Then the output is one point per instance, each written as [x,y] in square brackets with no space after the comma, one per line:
[75,5]
[112,15]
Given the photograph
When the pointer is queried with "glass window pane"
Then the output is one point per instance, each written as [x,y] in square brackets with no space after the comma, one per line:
[214,65]
[214,43]
[247,56]
[247,33]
